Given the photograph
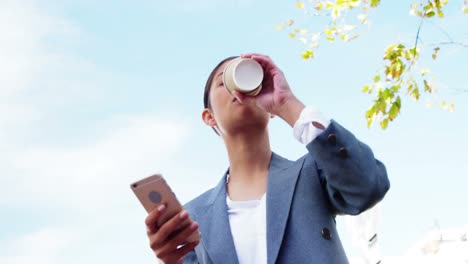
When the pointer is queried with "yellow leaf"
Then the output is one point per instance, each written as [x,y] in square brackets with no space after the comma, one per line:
[307,54]
[424,72]
[444,105]
[465,10]
[319,6]
[303,31]
[290,22]
[335,13]
[300,5]
[292,35]
[303,40]
[451,108]
[280,27]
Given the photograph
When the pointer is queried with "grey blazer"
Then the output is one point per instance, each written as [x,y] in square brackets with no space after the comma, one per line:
[338,175]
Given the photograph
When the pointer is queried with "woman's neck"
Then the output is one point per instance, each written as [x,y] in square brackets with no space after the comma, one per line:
[249,159]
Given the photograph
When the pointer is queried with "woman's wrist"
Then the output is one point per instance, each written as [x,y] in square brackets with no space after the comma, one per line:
[290,110]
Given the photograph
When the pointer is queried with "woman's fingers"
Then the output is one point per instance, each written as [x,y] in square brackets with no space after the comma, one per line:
[168,241]
[239,96]
[153,217]
[174,242]
[266,62]
[243,98]
[159,238]
[177,255]
[182,251]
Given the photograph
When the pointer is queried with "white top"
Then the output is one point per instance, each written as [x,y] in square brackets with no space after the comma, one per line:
[248,226]
[247,219]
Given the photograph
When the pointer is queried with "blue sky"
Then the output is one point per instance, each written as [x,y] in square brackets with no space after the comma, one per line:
[94,95]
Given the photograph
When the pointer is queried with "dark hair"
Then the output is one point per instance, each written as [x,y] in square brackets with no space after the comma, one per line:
[206,95]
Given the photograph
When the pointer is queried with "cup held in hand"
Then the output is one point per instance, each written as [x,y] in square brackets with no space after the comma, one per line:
[243,75]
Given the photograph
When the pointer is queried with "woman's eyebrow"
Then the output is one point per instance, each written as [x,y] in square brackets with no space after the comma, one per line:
[219,74]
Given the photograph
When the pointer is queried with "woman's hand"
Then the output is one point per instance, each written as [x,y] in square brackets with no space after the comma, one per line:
[276,96]
[167,239]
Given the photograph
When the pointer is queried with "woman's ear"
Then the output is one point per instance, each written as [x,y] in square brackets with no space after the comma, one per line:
[208,117]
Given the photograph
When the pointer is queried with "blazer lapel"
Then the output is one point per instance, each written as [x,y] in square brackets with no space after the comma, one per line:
[216,231]
[281,184]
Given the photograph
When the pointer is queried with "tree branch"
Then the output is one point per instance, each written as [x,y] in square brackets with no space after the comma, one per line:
[417,34]
[442,30]
[465,45]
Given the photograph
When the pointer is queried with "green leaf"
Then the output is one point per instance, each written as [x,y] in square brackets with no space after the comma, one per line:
[394,109]
[365,89]
[371,112]
[375,3]
[415,93]
[410,87]
[377,78]
[430,14]
[427,87]
[384,123]
[369,122]
[415,52]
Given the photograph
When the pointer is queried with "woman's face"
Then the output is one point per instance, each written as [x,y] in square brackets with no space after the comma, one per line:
[229,115]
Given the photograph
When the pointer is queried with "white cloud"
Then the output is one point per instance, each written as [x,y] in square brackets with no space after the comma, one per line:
[188,6]
[41,247]
[87,177]
[24,33]
[87,184]
[88,188]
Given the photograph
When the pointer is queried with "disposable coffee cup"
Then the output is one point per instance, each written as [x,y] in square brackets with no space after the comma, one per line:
[243,75]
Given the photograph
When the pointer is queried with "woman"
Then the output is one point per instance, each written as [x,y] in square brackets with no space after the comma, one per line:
[267,209]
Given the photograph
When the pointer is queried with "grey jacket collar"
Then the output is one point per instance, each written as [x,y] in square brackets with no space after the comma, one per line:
[216,232]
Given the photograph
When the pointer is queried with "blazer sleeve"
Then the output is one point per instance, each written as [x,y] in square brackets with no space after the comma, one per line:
[352,178]
[190,258]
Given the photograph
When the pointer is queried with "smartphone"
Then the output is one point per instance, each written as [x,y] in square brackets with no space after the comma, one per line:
[153,191]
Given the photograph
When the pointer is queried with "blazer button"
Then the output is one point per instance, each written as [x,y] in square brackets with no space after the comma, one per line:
[332,138]
[326,233]
[343,152]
